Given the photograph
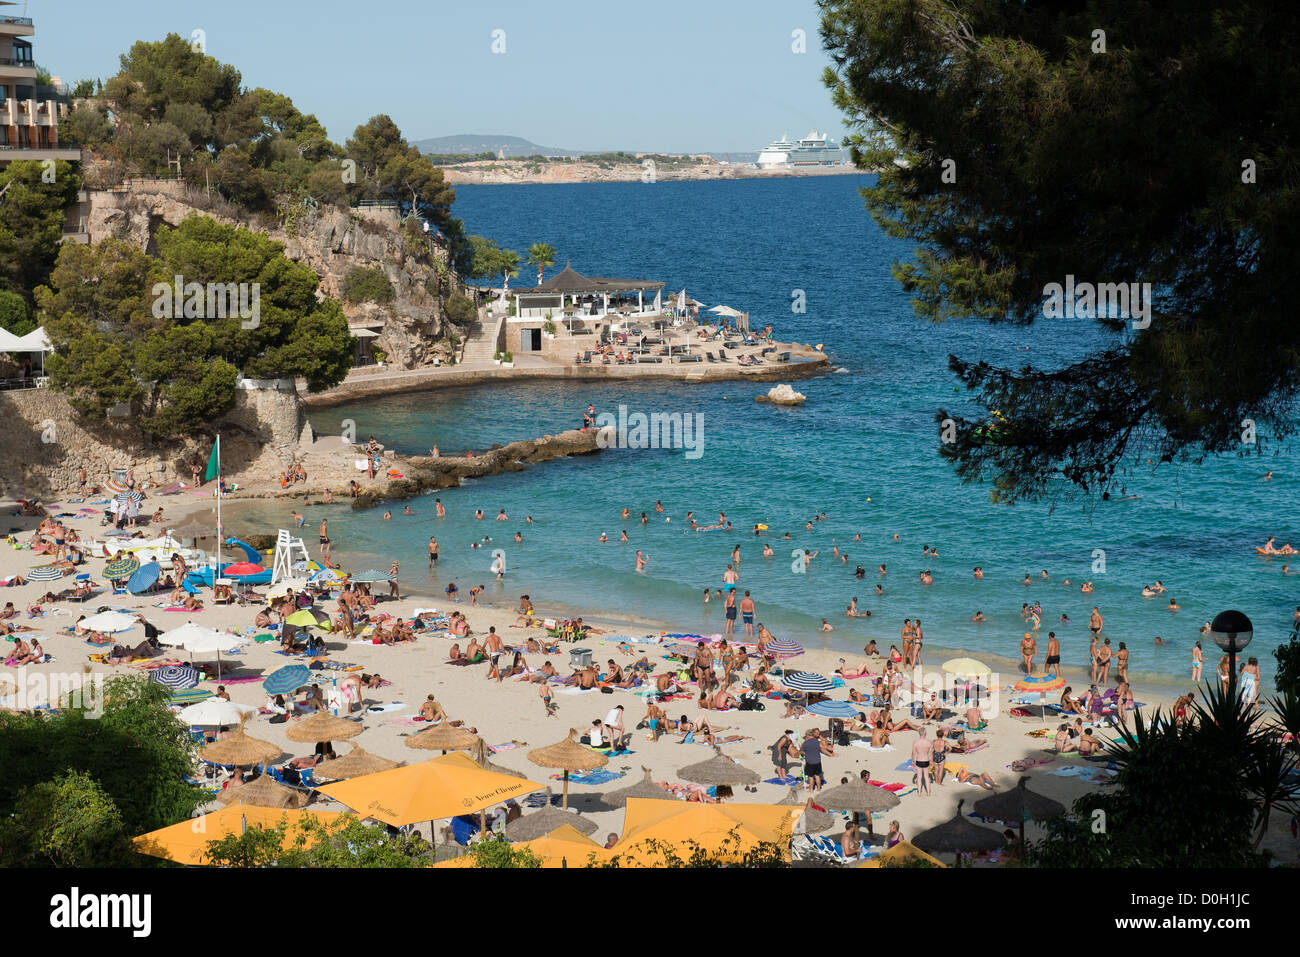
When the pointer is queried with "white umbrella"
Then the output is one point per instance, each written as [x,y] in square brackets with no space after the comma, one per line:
[109,622]
[200,639]
[726,311]
[215,712]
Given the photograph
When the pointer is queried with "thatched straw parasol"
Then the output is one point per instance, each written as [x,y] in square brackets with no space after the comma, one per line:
[958,836]
[813,819]
[355,763]
[568,755]
[323,726]
[859,797]
[645,788]
[240,750]
[543,822]
[479,752]
[1019,804]
[442,737]
[719,769]
[265,792]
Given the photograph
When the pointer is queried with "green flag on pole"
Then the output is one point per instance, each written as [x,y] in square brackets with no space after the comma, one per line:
[214,462]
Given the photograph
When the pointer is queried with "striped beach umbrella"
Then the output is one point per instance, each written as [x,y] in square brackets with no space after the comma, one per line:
[833,709]
[176,676]
[287,680]
[783,648]
[372,575]
[124,566]
[113,485]
[1040,684]
[806,681]
[44,573]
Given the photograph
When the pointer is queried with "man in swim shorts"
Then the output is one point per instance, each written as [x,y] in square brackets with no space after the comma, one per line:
[747,614]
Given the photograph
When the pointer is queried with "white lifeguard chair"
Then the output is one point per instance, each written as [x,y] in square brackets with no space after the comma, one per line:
[288,552]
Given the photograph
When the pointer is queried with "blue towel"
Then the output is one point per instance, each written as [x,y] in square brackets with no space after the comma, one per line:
[595,777]
[463,828]
[789,780]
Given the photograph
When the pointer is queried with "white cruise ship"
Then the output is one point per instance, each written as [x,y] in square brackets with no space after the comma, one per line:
[815,149]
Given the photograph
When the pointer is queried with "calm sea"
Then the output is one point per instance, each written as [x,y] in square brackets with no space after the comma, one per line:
[862,450]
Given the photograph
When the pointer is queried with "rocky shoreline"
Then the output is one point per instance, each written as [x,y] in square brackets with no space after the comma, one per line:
[523,172]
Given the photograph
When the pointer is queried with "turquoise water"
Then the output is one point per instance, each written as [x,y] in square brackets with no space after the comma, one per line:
[862,450]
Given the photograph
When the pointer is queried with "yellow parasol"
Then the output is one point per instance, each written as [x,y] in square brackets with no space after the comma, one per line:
[187,842]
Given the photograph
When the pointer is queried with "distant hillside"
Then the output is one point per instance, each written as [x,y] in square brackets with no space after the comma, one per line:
[516,146]
[471,143]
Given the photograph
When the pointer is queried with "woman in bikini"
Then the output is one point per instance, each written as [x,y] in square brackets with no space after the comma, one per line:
[1103,662]
[1121,663]
[1198,659]
[1092,659]
[939,754]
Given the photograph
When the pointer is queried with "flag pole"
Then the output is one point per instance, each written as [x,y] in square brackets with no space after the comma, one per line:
[216,571]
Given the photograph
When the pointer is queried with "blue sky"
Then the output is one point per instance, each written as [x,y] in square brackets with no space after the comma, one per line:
[673,75]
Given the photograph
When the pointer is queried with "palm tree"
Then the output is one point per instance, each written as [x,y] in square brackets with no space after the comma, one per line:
[541,255]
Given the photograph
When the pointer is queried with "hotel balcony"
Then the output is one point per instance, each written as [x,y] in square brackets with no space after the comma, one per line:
[16,27]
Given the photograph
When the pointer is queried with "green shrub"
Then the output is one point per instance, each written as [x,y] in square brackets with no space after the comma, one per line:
[459,309]
[367,284]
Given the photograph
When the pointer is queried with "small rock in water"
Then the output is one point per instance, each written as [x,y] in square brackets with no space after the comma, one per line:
[782,394]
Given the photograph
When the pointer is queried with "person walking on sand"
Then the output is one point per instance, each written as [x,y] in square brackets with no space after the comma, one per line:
[813,749]
[922,752]
[747,614]
[393,591]
[544,692]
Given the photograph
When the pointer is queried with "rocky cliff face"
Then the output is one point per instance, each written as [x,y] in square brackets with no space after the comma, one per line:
[331,241]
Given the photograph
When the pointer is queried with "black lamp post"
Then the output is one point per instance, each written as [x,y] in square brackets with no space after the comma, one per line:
[1231,631]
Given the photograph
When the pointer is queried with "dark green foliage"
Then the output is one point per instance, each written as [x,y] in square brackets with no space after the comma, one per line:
[13,314]
[1287,677]
[110,312]
[136,752]
[1122,166]
[343,843]
[367,284]
[32,220]
[460,310]
[68,822]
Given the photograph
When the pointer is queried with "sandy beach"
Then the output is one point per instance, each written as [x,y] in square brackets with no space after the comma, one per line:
[511,717]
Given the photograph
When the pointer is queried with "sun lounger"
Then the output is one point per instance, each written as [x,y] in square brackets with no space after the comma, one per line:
[722,355]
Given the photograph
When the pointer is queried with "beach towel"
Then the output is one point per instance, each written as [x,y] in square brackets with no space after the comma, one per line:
[404,722]
[1068,772]
[867,746]
[580,690]
[386,708]
[788,781]
[600,776]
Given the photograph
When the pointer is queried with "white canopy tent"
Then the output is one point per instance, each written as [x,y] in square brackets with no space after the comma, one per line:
[36,342]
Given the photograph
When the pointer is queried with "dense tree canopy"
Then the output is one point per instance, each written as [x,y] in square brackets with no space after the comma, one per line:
[112,313]
[32,220]
[1019,145]
[127,742]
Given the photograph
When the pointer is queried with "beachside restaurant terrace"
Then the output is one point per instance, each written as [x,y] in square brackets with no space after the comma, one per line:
[571,296]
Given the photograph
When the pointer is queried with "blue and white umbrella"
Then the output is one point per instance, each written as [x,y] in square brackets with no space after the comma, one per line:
[144,578]
[806,681]
[287,680]
[176,676]
[44,573]
[783,648]
[833,709]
